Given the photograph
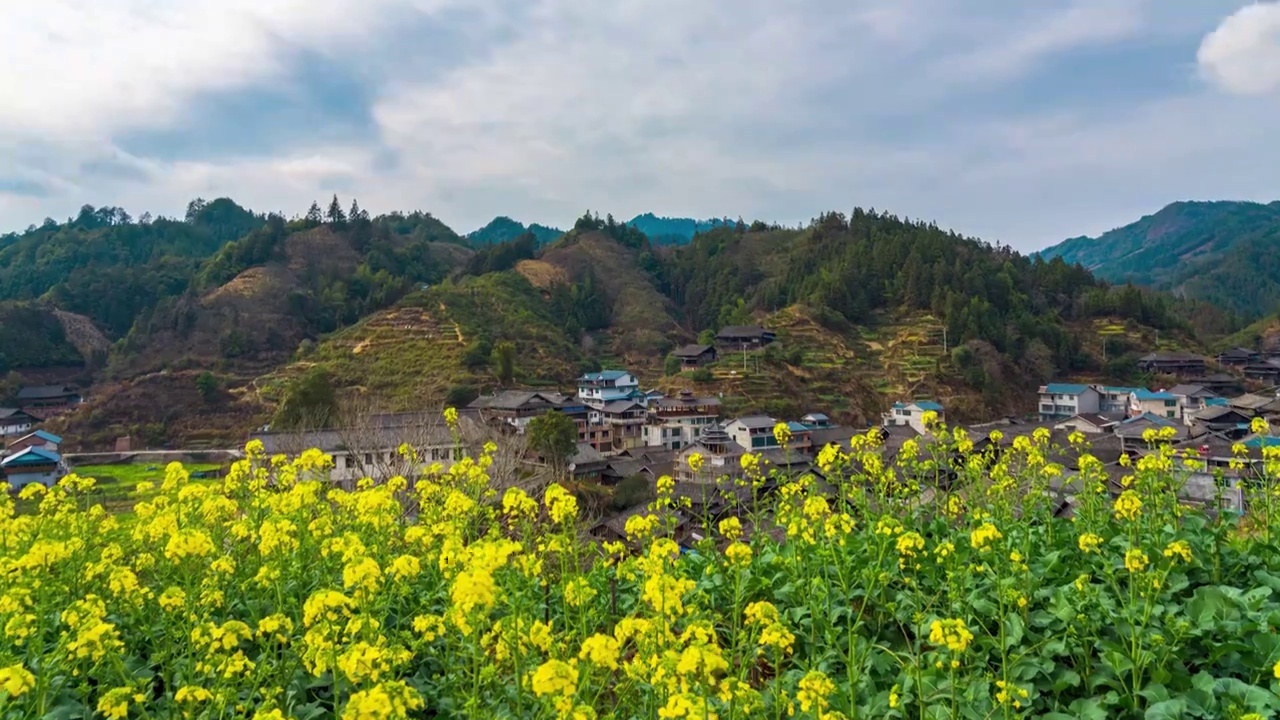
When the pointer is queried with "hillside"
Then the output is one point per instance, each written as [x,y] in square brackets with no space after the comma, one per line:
[111,268]
[503,229]
[1224,253]
[399,313]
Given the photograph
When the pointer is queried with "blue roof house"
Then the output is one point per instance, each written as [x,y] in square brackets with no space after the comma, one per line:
[912,414]
[599,388]
[1159,403]
[32,465]
[1059,401]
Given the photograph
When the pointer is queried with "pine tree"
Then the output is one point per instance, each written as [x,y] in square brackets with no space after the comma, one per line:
[335,214]
[356,213]
[313,213]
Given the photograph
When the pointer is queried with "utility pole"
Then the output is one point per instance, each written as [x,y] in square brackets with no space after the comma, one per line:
[944,340]
[744,358]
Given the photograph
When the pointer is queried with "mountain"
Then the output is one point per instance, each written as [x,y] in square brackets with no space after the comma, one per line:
[672,231]
[503,229]
[1225,253]
[399,312]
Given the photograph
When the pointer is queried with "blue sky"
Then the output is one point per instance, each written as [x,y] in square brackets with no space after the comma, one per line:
[1017,122]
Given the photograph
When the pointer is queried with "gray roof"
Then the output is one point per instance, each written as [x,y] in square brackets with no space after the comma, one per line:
[742,331]
[618,406]
[827,435]
[43,392]
[587,455]
[10,412]
[371,439]
[624,467]
[692,351]
[514,399]
[1189,390]
[755,422]
[1098,420]
[1210,414]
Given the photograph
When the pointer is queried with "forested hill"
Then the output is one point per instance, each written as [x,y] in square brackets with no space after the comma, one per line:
[1225,253]
[503,229]
[401,311]
[673,231]
[111,267]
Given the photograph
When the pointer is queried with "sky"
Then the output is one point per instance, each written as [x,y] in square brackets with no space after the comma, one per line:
[1017,122]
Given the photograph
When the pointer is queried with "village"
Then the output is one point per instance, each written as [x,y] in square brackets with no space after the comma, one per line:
[631,436]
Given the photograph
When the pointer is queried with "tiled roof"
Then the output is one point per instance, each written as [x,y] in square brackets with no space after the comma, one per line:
[1065,388]
[1149,395]
[604,375]
[31,456]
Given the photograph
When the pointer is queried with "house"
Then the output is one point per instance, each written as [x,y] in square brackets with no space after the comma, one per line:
[606,386]
[1224,420]
[14,421]
[1191,397]
[1065,400]
[33,465]
[1238,357]
[1256,405]
[38,439]
[1267,371]
[618,469]
[754,432]
[1161,404]
[48,396]
[694,356]
[1132,430]
[374,451]
[626,420]
[516,408]
[587,464]
[1172,363]
[1090,423]
[1219,383]
[721,456]
[815,420]
[675,422]
[1115,399]
[912,414]
[744,337]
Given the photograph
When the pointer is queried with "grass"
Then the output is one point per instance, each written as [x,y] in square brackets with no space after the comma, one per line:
[116,486]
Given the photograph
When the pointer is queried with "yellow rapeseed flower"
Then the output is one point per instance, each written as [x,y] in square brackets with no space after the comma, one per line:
[1135,560]
[983,536]
[600,650]
[695,461]
[1089,542]
[815,688]
[1128,506]
[738,554]
[951,633]
[1180,549]
[15,680]
[555,677]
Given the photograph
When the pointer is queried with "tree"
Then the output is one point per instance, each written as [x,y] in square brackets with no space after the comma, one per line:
[356,214]
[207,385]
[707,337]
[504,362]
[554,436]
[335,214]
[313,213]
[460,396]
[309,402]
[671,365]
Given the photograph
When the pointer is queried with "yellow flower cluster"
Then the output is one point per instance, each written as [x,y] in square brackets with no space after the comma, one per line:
[951,633]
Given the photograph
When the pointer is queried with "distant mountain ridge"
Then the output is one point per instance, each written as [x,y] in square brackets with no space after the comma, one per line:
[1223,252]
[673,231]
[504,229]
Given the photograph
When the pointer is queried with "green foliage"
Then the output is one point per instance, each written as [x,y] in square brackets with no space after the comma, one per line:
[503,256]
[632,491]
[105,265]
[460,396]
[309,403]
[702,375]
[478,354]
[671,366]
[503,229]
[207,385]
[554,436]
[707,337]
[504,362]
[673,231]
[32,337]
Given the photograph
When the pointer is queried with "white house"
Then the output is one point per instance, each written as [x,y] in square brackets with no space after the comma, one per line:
[1115,399]
[1059,401]
[1159,403]
[32,465]
[1192,398]
[14,421]
[912,414]
[1089,423]
[598,388]
[754,433]
[674,423]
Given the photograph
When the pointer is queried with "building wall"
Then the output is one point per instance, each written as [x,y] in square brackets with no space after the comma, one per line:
[1159,408]
[18,481]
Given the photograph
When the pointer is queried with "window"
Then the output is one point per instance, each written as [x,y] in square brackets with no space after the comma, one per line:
[1169,414]
[1170,403]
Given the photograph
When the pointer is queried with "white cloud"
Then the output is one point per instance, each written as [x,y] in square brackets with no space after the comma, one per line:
[80,69]
[1242,55]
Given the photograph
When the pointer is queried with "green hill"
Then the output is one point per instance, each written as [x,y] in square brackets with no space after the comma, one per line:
[503,229]
[1224,253]
[673,231]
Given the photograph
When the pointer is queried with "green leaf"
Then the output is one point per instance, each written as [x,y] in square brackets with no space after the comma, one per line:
[1172,709]
[1088,709]
[1012,630]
